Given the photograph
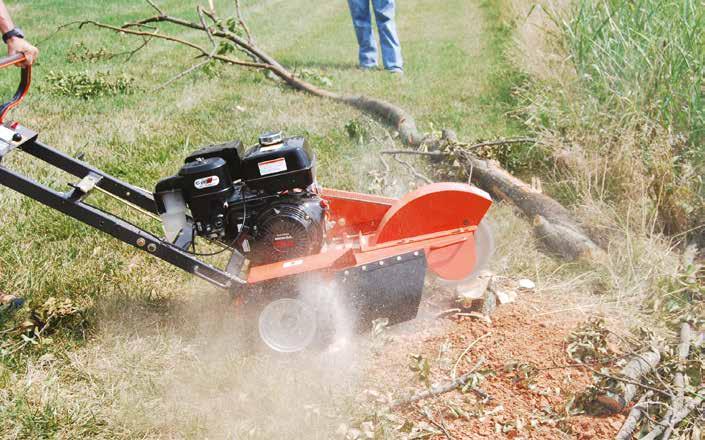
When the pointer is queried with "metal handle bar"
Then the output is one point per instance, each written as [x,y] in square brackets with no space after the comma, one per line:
[22,89]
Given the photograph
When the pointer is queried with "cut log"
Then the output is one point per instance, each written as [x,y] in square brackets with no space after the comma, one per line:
[635,369]
[554,225]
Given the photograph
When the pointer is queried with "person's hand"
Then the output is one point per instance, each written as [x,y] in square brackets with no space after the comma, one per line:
[20,45]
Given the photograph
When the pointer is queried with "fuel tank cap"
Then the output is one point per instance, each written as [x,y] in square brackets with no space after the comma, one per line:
[270,138]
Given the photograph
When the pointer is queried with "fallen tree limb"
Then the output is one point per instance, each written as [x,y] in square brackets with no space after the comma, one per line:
[679,380]
[555,226]
[445,388]
[678,415]
[634,417]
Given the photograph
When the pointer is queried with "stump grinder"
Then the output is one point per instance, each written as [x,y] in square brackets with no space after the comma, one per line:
[273,226]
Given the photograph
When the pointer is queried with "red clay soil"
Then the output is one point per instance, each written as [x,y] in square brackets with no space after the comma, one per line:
[519,408]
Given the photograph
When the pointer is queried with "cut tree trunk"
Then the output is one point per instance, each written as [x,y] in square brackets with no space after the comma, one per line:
[554,225]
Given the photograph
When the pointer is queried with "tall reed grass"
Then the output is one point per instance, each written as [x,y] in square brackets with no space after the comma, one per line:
[645,57]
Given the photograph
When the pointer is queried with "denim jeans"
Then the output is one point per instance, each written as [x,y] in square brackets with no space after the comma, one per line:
[362,20]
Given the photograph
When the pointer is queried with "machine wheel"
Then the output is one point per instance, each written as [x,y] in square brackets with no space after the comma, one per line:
[287,325]
[288,319]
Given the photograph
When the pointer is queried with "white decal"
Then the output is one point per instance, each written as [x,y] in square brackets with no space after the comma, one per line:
[272,166]
[289,264]
[206,182]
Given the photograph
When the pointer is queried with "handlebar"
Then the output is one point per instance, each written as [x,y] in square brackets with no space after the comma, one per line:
[22,89]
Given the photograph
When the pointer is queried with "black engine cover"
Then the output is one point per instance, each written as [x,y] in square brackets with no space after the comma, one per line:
[290,228]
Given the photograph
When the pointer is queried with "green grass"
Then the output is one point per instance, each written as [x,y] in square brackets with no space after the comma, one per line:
[114,372]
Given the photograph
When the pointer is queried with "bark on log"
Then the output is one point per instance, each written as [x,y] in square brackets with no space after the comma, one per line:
[554,225]
[635,369]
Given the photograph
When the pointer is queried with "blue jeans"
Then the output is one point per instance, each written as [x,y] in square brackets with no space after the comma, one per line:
[362,20]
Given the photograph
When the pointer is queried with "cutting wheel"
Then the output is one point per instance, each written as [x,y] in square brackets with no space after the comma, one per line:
[287,325]
[463,261]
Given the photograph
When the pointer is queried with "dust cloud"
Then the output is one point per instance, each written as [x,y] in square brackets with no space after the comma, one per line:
[198,371]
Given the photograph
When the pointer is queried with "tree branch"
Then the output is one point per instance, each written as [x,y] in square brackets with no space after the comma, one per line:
[445,388]
[175,40]
[242,22]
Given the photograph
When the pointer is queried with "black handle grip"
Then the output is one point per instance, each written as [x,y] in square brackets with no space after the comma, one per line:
[22,89]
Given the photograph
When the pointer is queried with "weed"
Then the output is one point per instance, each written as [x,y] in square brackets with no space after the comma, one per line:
[80,52]
[83,85]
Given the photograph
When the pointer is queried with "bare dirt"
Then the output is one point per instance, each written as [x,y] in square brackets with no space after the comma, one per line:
[525,371]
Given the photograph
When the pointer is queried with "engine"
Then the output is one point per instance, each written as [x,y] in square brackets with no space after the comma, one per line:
[265,204]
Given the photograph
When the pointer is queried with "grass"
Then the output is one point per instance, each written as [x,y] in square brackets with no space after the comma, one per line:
[616,103]
[646,56]
[153,353]
[644,63]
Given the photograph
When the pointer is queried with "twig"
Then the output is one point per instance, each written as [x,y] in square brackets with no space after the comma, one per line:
[199,10]
[385,164]
[197,66]
[634,417]
[677,416]
[629,381]
[523,140]
[413,171]
[472,344]
[131,53]
[440,426]
[447,312]
[445,388]
[242,22]
[414,152]
[157,8]
[678,400]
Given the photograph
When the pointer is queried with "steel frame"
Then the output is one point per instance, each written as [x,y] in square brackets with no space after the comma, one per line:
[71,203]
